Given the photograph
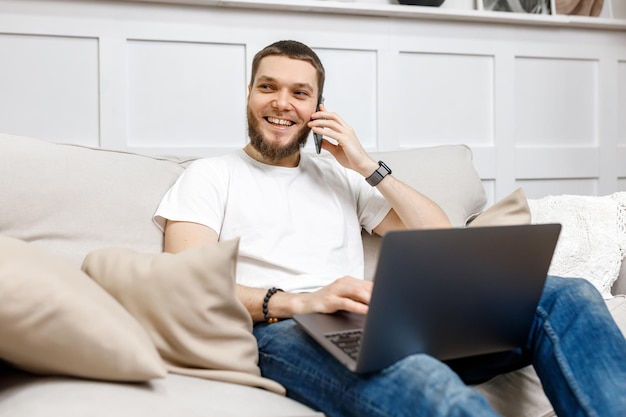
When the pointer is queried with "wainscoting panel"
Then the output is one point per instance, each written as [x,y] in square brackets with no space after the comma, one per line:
[351,89]
[190,93]
[556,102]
[541,188]
[445,98]
[49,87]
[542,104]
[621,111]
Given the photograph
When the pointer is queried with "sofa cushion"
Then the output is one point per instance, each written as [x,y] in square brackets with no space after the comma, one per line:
[445,174]
[55,320]
[511,210]
[71,199]
[175,396]
[188,304]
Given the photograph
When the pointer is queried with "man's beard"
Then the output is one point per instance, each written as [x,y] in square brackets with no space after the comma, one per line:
[270,151]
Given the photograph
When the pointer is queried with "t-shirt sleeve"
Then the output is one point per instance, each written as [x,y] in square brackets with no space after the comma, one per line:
[197,196]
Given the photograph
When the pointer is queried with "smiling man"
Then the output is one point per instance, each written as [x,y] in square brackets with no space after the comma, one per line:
[299,219]
[263,194]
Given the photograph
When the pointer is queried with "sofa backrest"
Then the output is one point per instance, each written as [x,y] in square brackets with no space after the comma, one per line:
[71,199]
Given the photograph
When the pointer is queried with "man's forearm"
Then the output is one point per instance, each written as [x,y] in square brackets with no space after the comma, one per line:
[346,293]
[280,305]
[415,210]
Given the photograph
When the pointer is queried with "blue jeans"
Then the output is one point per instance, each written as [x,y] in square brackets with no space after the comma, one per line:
[575,346]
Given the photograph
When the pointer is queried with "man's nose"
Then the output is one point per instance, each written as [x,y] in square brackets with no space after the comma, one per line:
[282,100]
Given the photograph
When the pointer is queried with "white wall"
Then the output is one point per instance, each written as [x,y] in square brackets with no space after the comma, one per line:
[542,104]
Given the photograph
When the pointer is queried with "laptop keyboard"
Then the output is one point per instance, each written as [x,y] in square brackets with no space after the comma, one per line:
[348,341]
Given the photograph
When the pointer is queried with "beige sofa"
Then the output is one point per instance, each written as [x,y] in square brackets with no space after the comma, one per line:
[63,203]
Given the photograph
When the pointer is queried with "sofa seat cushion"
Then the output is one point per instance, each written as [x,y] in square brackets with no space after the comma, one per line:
[23,395]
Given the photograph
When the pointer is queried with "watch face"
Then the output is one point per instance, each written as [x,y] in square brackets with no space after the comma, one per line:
[383,165]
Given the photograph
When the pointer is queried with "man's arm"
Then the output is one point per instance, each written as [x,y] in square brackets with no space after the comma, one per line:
[410,209]
[346,293]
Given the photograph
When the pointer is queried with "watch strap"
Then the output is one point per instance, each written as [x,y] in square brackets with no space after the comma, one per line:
[377,176]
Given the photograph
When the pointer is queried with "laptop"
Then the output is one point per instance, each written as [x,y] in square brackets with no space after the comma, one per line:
[449,293]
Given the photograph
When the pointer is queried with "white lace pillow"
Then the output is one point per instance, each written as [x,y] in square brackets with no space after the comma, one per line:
[593,239]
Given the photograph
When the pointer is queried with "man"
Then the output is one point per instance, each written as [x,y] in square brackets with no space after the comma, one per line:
[299,219]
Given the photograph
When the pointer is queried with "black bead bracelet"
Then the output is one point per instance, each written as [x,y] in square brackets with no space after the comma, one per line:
[266,301]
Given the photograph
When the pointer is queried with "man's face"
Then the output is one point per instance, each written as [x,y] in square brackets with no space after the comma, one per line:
[280,103]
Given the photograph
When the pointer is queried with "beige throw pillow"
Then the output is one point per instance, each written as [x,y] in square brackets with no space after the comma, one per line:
[511,210]
[188,304]
[55,320]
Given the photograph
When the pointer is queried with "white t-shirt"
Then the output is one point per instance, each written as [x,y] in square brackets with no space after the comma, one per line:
[300,228]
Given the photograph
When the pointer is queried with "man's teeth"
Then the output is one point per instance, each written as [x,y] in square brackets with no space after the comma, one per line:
[279,121]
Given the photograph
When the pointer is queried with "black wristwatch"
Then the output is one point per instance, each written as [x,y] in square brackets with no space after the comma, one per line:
[378,175]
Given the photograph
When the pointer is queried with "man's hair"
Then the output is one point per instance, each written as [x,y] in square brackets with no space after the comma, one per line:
[293,50]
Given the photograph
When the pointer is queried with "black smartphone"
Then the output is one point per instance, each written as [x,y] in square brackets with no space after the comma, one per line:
[316,136]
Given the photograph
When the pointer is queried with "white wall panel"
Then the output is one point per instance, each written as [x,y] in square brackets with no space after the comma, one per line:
[485,158]
[621,161]
[49,87]
[490,190]
[542,188]
[187,94]
[555,102]
[542,105]
[557,162]
[621,104]
[621,124]
[445,98]
[351,89]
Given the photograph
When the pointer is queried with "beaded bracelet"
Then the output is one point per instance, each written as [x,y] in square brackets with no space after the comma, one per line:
[266,301]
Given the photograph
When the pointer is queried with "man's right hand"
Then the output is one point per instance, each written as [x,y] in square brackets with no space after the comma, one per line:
[347,293]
